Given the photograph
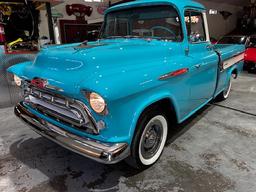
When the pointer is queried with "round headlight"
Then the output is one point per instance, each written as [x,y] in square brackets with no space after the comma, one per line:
[17,80]
[97,102]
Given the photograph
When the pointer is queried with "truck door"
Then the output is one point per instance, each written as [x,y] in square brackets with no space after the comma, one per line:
[202,57]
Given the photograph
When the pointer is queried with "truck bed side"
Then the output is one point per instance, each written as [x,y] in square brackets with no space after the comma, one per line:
[231,60]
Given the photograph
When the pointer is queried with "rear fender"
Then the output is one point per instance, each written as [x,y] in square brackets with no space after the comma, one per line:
[235,70]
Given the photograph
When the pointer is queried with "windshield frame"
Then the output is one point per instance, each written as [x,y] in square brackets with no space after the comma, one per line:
[142,6]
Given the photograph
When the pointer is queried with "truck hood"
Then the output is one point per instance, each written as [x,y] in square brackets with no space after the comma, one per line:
[104,66]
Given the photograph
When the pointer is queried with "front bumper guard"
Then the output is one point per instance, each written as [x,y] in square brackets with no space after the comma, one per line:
[107,153]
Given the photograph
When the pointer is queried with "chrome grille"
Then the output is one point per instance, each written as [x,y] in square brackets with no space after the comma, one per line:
[62,109]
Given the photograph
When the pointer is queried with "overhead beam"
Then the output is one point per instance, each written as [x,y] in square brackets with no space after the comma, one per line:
[50,23]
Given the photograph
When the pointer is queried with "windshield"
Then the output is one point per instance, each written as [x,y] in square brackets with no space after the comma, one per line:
[233,40]
[148,22]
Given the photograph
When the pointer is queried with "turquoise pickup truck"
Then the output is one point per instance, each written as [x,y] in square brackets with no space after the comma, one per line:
[115,98]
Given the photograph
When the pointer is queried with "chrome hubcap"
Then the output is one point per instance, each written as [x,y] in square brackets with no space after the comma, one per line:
[152,139]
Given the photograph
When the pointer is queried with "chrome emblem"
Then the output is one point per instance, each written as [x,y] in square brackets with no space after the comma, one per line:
[39,83]
[43,84]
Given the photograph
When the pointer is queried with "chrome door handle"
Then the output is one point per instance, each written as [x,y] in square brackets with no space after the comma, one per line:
[198,66]
[209,47]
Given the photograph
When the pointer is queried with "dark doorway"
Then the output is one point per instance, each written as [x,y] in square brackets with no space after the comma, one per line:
[73,31]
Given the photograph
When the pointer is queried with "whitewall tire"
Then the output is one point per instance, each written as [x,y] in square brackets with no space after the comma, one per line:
[225,94]
[149,139]
[148,143]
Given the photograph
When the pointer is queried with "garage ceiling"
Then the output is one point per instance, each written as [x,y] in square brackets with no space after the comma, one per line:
[234,2]
[40,4]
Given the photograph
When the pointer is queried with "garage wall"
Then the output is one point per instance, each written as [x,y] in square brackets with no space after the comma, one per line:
[43,26]
[61,8]
[217,25]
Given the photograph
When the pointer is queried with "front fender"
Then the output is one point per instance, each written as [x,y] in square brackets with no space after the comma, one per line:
[148,102]
[18,69]
[124,113]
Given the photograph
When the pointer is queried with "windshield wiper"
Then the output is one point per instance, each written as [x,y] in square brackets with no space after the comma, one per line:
[112,37]
[125,36]
[164,38]
[133,36]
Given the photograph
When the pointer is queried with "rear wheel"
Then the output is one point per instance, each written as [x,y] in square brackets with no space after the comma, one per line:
[225,94]
[149,139]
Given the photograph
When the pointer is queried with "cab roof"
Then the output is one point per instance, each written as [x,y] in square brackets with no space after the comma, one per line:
[180,4]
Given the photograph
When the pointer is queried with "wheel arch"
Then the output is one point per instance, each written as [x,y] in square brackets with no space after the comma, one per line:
[164,102]
[234,72]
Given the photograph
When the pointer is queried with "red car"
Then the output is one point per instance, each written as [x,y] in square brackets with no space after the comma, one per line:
[250,55]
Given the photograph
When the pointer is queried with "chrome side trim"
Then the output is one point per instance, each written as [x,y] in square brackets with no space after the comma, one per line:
[107,153]
[236,58]
[173,74]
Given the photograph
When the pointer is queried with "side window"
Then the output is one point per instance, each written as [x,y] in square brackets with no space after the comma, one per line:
[195,26]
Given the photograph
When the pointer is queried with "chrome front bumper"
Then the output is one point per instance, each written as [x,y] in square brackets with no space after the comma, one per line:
[107,153]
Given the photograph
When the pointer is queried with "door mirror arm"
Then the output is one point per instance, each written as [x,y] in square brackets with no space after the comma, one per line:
[187,50]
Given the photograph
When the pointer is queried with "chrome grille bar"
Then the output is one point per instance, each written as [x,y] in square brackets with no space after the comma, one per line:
[69,111]
[52,110]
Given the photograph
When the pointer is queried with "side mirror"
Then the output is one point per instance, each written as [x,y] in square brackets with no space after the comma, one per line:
[249,45]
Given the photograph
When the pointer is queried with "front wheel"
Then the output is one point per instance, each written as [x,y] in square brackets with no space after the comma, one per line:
[225,94]
[149,140]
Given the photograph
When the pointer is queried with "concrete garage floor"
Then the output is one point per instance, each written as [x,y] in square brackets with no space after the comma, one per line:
[212,152]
